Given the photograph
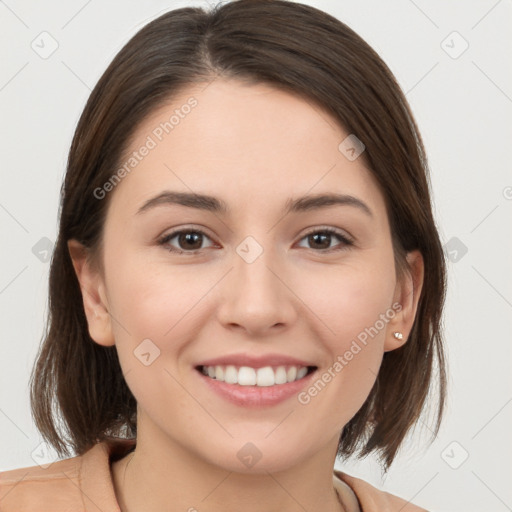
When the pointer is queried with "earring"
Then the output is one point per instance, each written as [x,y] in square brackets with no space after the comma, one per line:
[398,335]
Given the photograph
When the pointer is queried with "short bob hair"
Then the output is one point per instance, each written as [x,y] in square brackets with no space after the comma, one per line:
[77,391]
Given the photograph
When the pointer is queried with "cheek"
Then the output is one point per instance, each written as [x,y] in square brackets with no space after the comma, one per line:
[354,305]
[154,299]
[154,314]
[152,302]
[350,299]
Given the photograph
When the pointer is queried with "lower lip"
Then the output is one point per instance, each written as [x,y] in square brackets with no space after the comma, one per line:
[256,395]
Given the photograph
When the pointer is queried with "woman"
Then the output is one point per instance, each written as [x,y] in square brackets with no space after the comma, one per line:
[248,281]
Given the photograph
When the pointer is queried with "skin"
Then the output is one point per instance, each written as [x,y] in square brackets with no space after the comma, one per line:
[253,147]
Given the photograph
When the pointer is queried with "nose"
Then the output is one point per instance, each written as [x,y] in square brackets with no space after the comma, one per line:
[256,296]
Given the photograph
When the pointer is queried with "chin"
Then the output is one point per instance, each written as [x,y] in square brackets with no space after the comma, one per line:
[261,456]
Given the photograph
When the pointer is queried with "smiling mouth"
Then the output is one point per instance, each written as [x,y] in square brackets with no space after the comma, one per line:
[259,377]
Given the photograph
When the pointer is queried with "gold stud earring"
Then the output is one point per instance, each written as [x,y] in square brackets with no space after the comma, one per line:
[398,335]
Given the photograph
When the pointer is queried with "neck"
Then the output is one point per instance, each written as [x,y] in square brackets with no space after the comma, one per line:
[161,472]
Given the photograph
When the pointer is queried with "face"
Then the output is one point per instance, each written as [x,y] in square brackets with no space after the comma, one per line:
[259,283]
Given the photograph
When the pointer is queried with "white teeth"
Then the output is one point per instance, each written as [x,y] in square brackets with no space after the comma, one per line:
[219,373]
[247,376]
[291,374]
[280,375]
[301,372]
[265,376]
[231,375]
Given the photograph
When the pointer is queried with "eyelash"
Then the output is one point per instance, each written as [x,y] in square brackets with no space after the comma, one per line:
[330,231]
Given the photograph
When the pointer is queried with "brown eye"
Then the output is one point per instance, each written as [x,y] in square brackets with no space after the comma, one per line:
[190,240]
[321,240]
[187,240]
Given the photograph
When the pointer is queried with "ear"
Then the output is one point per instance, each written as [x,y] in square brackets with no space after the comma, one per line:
[407,294]
[93,294]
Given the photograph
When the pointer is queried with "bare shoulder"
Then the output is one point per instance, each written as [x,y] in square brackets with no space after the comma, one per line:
[29,487]
[372,499]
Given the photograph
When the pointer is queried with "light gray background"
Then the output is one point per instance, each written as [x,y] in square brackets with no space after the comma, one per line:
[463,107]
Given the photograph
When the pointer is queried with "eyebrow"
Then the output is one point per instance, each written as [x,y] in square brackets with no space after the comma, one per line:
[216,205]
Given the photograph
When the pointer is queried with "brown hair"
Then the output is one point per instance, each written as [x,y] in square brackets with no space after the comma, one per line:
[303,51]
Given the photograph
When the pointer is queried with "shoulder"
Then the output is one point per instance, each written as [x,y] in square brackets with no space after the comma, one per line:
[30,487]
[81,483]
[372,499]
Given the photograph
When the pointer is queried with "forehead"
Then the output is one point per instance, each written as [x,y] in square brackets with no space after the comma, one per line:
[245,143]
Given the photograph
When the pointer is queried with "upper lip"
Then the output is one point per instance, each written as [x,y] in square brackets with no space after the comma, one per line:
[255,361]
